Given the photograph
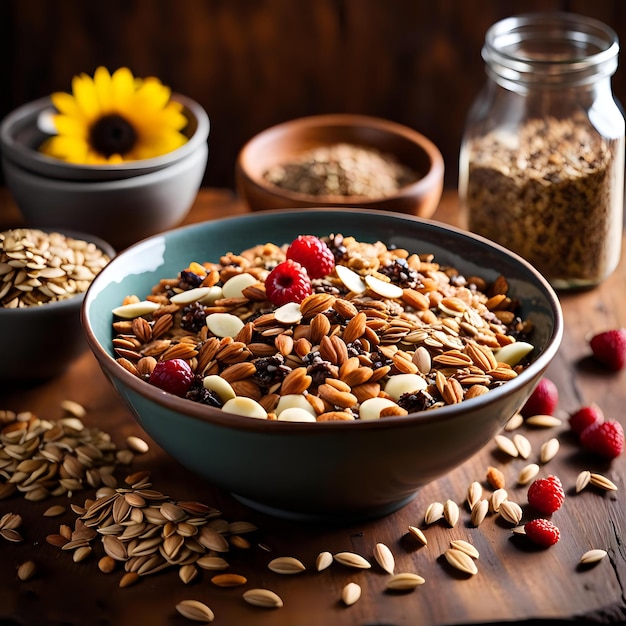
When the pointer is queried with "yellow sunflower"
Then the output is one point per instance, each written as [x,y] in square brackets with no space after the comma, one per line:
[114,118]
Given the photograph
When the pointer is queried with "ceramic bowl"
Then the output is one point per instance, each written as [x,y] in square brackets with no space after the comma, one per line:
[329,471]
[119,203]
[282,143]
[21,134]
[41,342]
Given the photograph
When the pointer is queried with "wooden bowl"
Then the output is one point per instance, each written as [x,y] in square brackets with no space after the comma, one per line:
[285,142]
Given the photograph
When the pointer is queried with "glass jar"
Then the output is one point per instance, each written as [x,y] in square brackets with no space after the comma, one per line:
[542,158]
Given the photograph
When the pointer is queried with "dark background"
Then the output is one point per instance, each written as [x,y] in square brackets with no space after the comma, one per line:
[254,63]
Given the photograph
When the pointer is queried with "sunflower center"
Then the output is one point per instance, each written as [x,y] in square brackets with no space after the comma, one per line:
[112,134]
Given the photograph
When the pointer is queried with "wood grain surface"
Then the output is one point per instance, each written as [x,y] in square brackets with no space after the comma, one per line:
[515,582]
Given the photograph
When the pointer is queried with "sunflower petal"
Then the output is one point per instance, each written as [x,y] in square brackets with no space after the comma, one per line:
[102,84]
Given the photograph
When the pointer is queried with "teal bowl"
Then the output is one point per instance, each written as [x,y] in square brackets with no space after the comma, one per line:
[320,471]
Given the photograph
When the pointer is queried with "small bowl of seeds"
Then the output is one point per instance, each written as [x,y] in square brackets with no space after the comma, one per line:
[44,275]
[341,160]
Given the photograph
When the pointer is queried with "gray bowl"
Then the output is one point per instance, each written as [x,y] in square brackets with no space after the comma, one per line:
[41,342]
[331,471]
[21,135]
[120,211]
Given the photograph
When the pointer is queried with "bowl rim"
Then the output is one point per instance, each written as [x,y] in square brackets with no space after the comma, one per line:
[58,305]
[29,112]
[430,179]
[219,418]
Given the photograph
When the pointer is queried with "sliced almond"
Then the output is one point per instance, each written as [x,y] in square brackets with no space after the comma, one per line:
[190,295]
[514,352]
[235,286]
[351,280]
[523,445]
[418,534]
[527,473]
[506,445]
[383,288]
[224,324]
[289,313]
[135,309]
[515,422]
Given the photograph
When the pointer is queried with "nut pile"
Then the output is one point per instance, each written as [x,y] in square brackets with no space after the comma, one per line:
[548,194]
[37,267]
[342,170]
[386,333]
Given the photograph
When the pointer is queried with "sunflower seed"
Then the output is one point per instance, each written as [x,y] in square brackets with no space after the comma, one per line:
[523,446]
[384,557]
[434,513]
[323,560]
[128,579]
[479,512]
[598,480]
[229,580]
[527,473]
[55,510]
[496,499]
[460,560]
[592,556]
[418,534]
[465,546]
[450,512]
[474,494]
[350,559]
[263,598]
[350,593]
[506,445]
[582,480]
[137,444]
[515,422]
[286,565]
[26,570]
[404,581]
[214,563]
[511,512]
[548,450]
[195,611]
[543,421]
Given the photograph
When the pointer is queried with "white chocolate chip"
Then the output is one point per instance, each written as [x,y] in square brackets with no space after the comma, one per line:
[224,324]
[296,414]
[247,407]
[404,383]
[233,287]
[293,401]
[370,409]
[514,352]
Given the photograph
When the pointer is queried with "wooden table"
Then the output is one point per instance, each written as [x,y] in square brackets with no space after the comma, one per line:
[514,583]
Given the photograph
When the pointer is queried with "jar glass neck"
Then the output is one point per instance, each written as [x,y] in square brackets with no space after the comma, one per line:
[549,50]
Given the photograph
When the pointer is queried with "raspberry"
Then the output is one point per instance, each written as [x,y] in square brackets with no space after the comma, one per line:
[546,494]
[312,253]
[585,416]
[173,375]
[604,438]
[543,400]
[609,348]
[542,532]
[288,282]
